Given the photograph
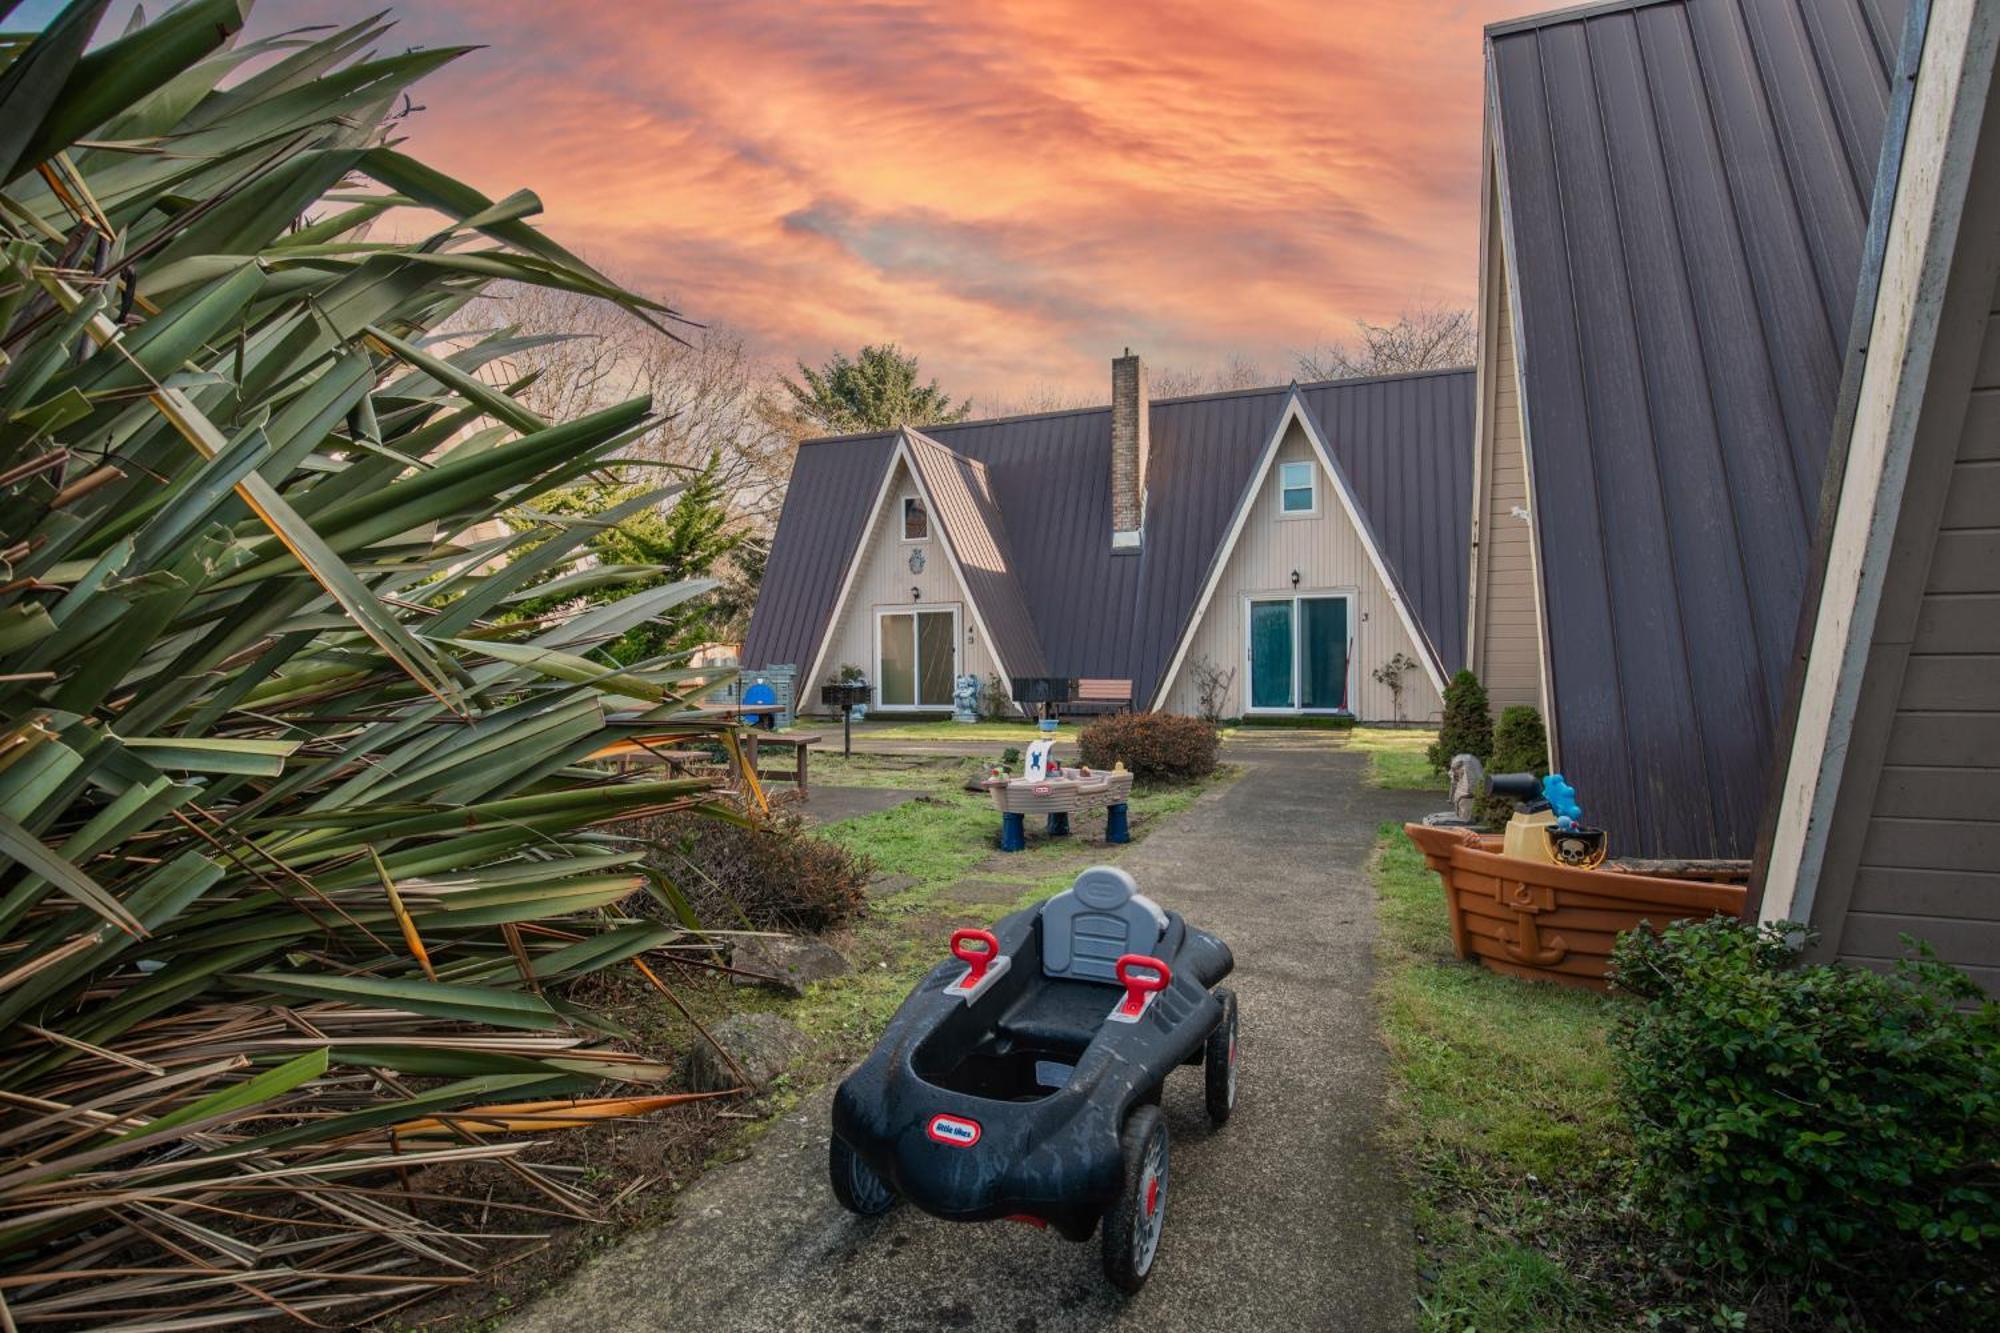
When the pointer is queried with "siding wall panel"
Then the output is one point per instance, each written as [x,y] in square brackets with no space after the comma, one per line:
[1686,188]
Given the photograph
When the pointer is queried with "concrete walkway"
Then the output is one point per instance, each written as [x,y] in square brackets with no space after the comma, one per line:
[1291,1217]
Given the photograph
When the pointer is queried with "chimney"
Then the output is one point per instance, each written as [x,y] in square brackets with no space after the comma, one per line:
[1130,445]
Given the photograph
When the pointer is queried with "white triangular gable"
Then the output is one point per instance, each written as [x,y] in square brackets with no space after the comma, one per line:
[1295,411]
[901,460]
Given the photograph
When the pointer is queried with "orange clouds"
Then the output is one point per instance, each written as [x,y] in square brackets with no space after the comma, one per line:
[1014,190]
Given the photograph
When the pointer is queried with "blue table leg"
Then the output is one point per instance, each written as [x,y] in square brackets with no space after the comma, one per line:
[1013,833]
[1058,824]
[1115,828]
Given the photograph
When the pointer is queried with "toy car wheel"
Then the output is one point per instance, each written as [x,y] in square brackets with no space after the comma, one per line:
[1219,1062]
[1135,1220]
[855,1183]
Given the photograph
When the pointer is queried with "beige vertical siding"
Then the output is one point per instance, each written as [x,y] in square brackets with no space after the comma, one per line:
[1329,556]
[1507,638]
[885,580]
[1930,860]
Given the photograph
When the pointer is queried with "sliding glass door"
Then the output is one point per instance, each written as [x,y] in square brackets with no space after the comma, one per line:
[1298,654]
[917,658]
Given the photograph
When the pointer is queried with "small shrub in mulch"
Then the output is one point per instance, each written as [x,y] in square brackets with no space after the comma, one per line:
[1156,747]
[1825,1132]
[768,874]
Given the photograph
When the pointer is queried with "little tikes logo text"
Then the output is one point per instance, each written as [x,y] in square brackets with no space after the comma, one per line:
[953,1129]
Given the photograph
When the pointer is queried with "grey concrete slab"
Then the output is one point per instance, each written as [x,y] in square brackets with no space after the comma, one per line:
[1291,1217]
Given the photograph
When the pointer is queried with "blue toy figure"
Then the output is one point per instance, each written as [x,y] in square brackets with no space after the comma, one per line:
[1562,800]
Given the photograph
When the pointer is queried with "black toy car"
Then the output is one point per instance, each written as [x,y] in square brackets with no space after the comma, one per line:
[1023,1080]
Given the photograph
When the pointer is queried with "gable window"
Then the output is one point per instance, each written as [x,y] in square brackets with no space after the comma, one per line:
[1298,493]
[916,523]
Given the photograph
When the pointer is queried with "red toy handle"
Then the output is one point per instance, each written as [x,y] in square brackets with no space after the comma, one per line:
[978,961]
[1137,987]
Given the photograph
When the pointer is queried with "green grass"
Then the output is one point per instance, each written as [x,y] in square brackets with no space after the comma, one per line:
[1506,1114]
[1010,733]
[1396,757]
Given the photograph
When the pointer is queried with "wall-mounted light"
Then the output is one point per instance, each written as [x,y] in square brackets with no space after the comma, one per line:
[916,593]
[1295,578]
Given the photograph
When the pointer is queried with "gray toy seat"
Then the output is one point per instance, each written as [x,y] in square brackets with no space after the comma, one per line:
[1090,925]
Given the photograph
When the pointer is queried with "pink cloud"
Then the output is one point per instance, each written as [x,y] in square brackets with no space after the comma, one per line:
[1013,190]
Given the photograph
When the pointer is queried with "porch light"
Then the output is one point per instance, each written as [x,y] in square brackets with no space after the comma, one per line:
[1295,578]
[916,594]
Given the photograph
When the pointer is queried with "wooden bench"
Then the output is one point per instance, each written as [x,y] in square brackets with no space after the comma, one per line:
[1100,696]
[799,745]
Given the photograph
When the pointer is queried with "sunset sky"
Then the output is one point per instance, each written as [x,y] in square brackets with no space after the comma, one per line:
[1014,190]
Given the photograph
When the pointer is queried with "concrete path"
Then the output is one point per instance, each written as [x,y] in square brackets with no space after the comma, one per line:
[1291,1217]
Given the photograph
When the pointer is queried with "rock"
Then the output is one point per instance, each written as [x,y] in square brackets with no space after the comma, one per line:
[764,1046]
[787,963]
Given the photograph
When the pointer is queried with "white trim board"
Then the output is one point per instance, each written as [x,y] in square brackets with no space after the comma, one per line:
[1295,410]
[1926,226]
[903,454]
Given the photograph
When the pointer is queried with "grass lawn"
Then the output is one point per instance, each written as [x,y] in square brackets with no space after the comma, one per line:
[1396,757]
[1506,1116]
[1007,733]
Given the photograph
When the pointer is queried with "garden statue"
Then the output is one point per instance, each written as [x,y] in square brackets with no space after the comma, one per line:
[965,699]
[1468,784]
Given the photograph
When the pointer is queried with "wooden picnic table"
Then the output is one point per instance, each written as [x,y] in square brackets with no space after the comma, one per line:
[800,744]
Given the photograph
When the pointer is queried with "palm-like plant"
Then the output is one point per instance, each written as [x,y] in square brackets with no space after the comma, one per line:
[299,827]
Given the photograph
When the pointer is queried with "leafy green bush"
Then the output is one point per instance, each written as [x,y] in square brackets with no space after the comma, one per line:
[1520,741]
[1157,747]
[995,703]
[1826,1128]
[1468,723]
[767,874]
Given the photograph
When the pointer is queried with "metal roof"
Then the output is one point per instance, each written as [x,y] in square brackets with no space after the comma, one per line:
[962,501]
[1404,443]
[1684,187]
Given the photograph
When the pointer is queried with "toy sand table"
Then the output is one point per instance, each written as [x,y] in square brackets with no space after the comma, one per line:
[1061,795]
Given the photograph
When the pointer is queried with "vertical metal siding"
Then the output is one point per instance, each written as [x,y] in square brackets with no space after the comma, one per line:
[1686,193]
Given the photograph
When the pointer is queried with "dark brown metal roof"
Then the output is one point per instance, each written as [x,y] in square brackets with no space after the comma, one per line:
[1404,443]
[1685,186]
[962,499]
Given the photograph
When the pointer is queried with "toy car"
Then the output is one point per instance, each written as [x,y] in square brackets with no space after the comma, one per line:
[1023,1080]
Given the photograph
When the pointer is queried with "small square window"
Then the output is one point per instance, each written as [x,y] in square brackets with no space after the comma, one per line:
[916,523]
[1296,482]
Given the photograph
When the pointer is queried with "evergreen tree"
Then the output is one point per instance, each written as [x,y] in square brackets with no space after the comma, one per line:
[1520,741]
[1468,723]
[877,390]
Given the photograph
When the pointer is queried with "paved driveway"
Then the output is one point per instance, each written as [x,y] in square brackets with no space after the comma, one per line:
[1290,1218]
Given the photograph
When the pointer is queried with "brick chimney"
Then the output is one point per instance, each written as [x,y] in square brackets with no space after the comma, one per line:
[1130,445]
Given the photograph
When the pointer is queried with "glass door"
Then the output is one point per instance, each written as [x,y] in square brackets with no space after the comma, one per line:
[1322,652]
[1271,654]
[1298,654]
[918,658]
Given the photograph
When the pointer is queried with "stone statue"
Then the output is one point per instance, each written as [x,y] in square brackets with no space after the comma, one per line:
[1468,787]
[965,699]
[1468,784]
